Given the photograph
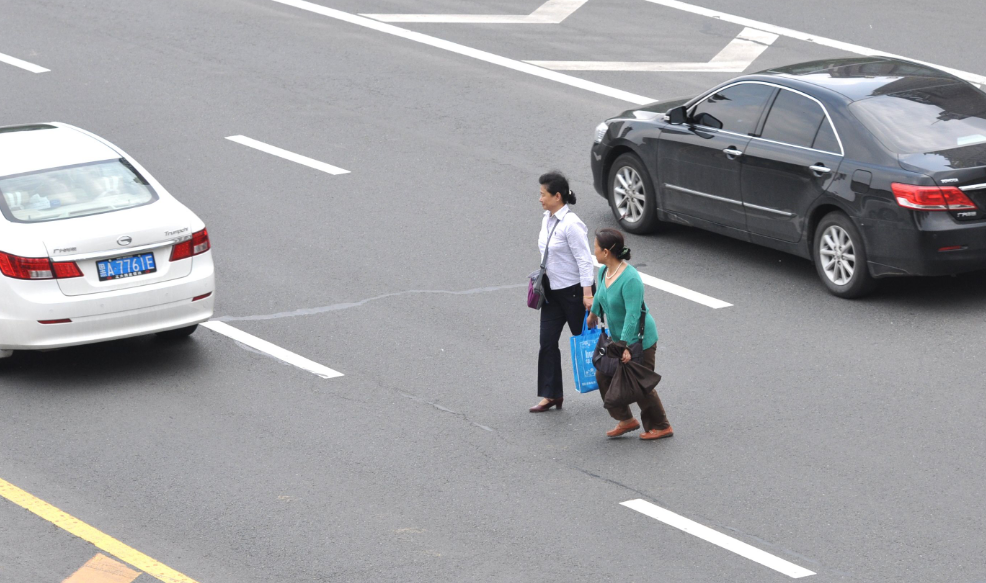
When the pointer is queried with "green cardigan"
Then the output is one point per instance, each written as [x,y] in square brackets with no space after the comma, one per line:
[624,296]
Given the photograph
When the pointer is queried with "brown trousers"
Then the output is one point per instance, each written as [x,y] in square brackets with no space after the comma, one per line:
[651,410]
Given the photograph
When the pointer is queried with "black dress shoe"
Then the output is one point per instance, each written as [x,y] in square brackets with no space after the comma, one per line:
[551,402]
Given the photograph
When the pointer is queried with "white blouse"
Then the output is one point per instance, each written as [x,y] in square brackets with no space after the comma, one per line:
[569,259]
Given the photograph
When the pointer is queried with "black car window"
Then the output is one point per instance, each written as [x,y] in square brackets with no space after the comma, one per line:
[734,109]
[825,138]
[929,119]
[794,119]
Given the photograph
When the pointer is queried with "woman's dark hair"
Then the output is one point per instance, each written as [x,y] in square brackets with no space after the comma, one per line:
[556,183]
[612,240]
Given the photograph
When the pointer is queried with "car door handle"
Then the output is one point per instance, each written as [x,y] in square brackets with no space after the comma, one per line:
[732,152]
[820,169]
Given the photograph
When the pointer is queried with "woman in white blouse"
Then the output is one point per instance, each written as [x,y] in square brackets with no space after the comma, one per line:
[567,286]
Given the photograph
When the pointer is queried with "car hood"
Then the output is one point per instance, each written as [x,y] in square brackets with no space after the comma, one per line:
[944,160]
[658,107]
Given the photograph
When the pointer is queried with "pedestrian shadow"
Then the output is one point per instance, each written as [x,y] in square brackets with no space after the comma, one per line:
[120,363]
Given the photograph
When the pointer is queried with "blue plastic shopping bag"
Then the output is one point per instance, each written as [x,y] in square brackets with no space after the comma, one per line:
[583,346]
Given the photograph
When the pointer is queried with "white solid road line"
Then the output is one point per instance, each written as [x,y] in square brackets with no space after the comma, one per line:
[684,292]
[551,12]
[280,153]
[717,538]
[272,350]
[22,64]
[780,30]
[468,51]
[734,58]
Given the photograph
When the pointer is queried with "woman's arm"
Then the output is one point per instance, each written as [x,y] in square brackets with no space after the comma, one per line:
[578,241]
[633,300]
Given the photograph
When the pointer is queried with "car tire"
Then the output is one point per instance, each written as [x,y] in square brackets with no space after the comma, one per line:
[631,195]
[840,257]
[178,333]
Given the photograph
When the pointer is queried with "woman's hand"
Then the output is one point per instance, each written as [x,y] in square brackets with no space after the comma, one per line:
[626,356]
[592,320]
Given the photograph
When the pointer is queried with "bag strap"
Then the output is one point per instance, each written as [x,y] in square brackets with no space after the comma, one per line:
[544,259]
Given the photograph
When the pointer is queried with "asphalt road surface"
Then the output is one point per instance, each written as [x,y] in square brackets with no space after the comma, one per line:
[841,437]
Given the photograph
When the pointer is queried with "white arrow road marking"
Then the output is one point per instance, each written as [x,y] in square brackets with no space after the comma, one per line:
[717,538]
[22,64]
[735,58]
[551,12]
[281,153]
[675,289]
[272,349]
[780,30]
[470,52]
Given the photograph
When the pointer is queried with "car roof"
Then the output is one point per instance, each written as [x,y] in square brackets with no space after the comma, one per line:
[28,148]
[862,78]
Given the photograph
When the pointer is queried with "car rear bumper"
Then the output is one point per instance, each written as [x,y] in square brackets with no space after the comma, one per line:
[103,316]
[597,161]
[893,249]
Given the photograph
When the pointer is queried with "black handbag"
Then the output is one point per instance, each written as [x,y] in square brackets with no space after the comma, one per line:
[630,384]
[608,364]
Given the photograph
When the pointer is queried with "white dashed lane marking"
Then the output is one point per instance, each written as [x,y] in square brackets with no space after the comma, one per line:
[21,64]
[281,153]
[682,292]
[272,350]
[717,538]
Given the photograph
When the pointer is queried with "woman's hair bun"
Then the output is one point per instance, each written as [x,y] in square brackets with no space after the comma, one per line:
[624,254]
[570,199]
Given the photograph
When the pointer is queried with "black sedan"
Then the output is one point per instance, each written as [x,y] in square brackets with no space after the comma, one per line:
[870,167]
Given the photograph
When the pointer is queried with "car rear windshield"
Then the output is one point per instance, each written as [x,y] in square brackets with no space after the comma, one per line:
[73,191]
[926,120]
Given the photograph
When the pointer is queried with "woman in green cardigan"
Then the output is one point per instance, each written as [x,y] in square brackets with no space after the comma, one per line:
[620,296]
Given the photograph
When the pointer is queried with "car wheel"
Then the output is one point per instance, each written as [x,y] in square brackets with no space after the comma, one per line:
[178,333]
[631,195]
[840,257]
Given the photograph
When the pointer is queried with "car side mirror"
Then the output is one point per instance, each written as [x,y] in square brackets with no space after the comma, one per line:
[678,115]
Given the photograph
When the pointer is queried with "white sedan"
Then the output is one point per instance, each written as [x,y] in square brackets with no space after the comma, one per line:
[92,247]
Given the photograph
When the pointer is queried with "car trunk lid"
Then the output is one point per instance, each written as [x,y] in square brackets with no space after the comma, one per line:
[963,168]
[144,231]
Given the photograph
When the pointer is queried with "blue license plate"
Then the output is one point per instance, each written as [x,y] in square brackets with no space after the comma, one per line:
[123,267]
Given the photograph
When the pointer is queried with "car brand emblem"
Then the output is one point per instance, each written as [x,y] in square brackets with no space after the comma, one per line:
[949,180]
[124,241]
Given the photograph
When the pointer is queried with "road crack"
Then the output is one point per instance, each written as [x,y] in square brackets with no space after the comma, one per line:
[350,305]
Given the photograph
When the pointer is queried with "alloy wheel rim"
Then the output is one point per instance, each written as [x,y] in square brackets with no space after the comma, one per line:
[838,255]
[629,194]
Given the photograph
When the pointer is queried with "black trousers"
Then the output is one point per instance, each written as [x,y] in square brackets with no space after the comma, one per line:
[563,305]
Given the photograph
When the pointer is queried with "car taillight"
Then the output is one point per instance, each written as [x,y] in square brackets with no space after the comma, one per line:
[931,198]
[66,269]
[198,244]
[36,267]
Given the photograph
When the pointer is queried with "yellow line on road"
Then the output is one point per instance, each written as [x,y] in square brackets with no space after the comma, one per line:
[89,534]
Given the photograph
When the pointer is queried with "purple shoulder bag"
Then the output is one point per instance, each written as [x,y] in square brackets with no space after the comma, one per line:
[535,281]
